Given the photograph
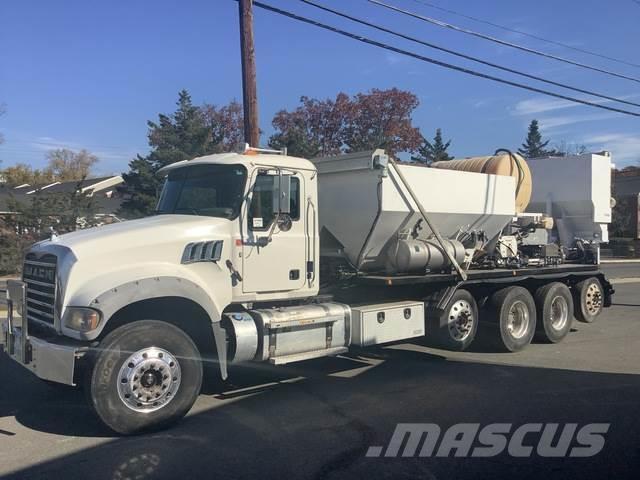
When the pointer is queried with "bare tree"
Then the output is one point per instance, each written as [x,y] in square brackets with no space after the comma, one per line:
[564,149]
[66,165]
[21,173]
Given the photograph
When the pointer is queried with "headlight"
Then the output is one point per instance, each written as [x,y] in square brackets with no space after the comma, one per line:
[82,319]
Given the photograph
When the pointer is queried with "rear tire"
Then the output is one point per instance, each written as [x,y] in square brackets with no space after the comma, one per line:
[514,310]
[456,326]
[588,299]
[146,374]
[554,308]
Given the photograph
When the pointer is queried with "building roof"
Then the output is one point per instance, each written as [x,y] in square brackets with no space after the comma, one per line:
[100,186]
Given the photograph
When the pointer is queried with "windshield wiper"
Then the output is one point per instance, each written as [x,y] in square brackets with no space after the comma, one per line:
[187,209]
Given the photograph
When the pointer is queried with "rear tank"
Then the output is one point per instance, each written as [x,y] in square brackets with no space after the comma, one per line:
[367,215]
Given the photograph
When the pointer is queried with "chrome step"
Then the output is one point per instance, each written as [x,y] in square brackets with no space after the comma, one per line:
[298,357]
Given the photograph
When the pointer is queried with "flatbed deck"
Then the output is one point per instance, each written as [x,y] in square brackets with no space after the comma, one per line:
[478,276]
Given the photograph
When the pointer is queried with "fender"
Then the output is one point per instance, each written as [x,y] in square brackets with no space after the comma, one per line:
[118,297]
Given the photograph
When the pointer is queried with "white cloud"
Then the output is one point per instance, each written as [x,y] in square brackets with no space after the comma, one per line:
[552,123]
[481,103]
[106,155]
[540,105]
[49,143]
[624,147]
[393,58]
[556,117]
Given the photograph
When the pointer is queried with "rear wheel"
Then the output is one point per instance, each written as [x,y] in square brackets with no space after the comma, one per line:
[589,299]
[554,305]
[456,326]
[145,374]
[514,310]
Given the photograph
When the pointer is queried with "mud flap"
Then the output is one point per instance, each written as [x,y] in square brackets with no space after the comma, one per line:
[220,337]
[608,291]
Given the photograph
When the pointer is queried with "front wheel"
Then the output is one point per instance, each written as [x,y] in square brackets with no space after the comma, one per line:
[145,374]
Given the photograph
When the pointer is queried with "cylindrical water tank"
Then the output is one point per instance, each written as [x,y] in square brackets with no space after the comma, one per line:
[510,165]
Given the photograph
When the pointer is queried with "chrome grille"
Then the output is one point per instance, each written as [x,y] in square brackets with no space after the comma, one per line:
[40,276]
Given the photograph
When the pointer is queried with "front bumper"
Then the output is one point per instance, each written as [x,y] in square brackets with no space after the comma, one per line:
[49,360]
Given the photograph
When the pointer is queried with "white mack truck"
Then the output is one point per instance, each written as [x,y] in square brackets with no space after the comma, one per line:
[263,257]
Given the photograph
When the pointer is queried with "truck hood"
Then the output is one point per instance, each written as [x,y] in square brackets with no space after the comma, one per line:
[93,261]
[158,236]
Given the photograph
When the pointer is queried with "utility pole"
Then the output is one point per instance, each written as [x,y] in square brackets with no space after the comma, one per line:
[249,89]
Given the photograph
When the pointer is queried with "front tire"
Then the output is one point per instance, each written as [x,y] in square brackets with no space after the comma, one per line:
[515,312]
[146,374]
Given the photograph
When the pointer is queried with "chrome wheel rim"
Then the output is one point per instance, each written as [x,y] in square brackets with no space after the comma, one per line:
[593,299]
[149,379]
[460,320]
[518,320]
[559,313]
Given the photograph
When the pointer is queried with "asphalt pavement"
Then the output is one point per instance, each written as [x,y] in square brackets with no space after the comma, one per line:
[317,419]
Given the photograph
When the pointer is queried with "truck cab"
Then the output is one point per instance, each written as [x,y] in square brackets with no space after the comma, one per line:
[265,205]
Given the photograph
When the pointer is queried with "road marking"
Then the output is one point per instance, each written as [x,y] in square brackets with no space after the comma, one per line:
[622,260]
[618,281]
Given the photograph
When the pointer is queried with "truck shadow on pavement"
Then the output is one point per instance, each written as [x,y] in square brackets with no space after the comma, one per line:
[317,420]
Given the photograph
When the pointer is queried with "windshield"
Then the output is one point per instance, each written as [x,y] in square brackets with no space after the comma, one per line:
[208,190]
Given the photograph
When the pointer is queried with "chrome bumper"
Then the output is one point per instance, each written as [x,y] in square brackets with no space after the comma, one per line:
[55,362]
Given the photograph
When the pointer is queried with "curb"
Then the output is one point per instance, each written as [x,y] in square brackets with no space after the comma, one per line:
[621,260]
[621,281]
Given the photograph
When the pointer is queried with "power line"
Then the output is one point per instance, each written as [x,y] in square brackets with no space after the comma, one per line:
[530,35]
[423,58]
[468,57]
[501,42]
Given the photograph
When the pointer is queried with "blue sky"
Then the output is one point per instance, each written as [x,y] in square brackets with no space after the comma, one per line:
[82,74]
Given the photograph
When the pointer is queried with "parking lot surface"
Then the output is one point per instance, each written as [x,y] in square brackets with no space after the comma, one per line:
[317,419]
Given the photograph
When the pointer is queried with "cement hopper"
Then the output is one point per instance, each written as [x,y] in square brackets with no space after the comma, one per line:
[509,164]
[364,207]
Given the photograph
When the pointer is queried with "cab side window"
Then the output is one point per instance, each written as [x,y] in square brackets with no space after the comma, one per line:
[261,214]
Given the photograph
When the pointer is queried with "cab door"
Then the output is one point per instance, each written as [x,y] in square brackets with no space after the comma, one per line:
[274,250]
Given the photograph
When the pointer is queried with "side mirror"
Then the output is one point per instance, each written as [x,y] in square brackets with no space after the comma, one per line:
[282,194]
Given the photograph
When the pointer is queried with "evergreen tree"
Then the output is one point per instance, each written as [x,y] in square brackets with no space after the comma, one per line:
[533,146]
[435,151]
[182,135]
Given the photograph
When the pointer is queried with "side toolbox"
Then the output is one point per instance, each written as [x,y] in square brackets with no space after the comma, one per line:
[387,322]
